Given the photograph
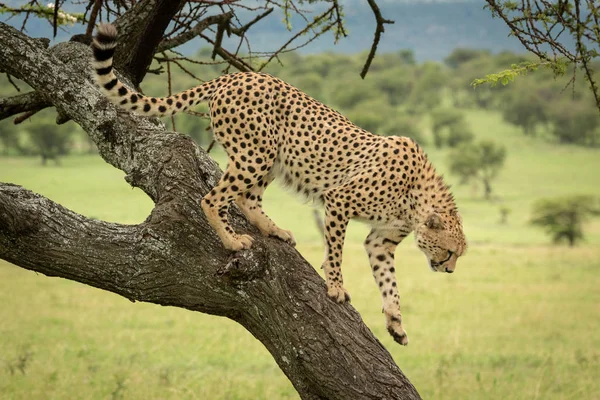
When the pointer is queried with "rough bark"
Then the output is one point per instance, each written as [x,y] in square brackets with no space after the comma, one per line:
[26,102]
[174,258]
[144,25]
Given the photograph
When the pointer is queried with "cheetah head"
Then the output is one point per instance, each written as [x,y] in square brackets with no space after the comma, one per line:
[440,237]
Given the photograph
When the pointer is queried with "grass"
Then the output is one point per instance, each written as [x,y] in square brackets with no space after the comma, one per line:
[518,320]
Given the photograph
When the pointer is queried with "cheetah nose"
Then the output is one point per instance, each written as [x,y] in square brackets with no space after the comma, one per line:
[448,270]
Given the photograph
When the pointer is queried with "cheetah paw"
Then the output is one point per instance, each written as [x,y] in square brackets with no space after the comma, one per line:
[338,294]
[239,242]
[284,235]
[394,327]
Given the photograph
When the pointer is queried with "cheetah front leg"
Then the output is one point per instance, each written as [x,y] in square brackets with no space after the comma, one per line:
[251,205]
[336,221]
[380,246]
[216,204]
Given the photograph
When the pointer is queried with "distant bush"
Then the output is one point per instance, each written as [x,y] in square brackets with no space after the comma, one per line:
[430,78]
[525,107]
[575,122]
[367,118]
[460,56]
[404,125]
[563,218]
[9,141]
[348,96]
[49,140]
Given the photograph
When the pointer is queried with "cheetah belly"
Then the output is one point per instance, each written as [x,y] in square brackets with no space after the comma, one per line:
[306,177]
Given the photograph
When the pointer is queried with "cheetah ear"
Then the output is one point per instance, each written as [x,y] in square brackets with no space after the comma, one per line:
[434,221]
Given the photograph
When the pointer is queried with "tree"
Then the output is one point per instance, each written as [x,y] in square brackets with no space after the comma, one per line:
[563,218]
[525,108]
[367,114]
[559,33]
[450,128]
[351,96]
[404,125]
[575,122]
[425,94]
[395,82]
[48,140]
[460,56]
[174,257]
[504,213]
[479,162]
[10,140]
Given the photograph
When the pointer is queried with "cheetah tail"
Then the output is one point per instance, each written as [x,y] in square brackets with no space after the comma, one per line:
[103,46]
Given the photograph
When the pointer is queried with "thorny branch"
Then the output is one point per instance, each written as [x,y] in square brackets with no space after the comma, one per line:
[556,25]
[188,35]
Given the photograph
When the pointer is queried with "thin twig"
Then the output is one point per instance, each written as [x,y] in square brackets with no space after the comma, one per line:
[170,91]
[24,116]
[55,16]
[93,17]
[211,145]
[378,31]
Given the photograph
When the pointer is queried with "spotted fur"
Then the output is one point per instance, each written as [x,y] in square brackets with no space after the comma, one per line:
[270,129]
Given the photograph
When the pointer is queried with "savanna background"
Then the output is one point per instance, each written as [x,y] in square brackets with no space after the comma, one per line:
[518,319]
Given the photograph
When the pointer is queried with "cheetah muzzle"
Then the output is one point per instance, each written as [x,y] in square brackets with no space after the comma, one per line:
[269,130]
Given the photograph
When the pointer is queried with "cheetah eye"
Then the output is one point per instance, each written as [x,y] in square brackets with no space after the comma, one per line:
[450,254]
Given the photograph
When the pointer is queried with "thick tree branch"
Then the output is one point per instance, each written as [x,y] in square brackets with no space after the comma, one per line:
[23,103]
[173,259]
[135,261]
[141,29]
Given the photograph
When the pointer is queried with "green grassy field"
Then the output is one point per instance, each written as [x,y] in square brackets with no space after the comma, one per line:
[518,320]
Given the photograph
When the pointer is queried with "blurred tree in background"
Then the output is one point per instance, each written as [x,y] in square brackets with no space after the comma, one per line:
[563,218]
[48,140]
[450,128]
[460,56]
[9,141]
[525,107]
[402,124]
[427,92]
[575,122]
[479,162]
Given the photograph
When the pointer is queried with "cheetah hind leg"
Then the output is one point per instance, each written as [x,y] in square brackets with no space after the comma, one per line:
[251,205]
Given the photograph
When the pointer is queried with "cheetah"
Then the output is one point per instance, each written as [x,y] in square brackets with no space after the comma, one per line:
[270,129]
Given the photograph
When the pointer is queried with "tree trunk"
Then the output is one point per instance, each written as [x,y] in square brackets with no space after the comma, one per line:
[174,257]
[488,189]
[145,24]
